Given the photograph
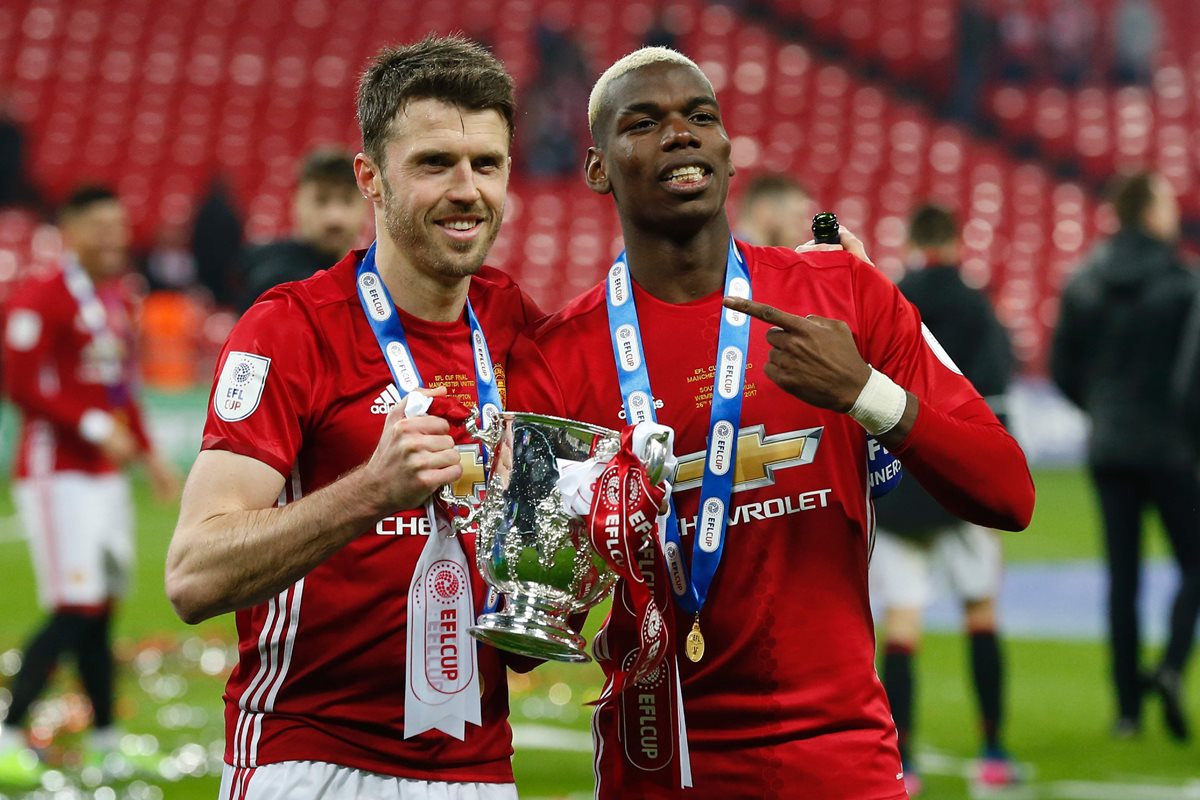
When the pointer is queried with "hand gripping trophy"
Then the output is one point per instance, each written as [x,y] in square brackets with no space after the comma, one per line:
[567,507]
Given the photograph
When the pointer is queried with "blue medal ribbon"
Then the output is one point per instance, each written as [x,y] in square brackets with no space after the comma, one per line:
[723,426]
[95,319]
[389,333]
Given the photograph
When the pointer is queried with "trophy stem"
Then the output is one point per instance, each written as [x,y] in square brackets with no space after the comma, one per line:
[531,626]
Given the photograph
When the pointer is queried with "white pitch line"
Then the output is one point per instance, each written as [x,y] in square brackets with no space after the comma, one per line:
[1087,790]
[936,763]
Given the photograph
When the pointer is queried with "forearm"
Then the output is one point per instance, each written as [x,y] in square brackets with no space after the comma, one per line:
[970,464]
[62,411]
[230,560]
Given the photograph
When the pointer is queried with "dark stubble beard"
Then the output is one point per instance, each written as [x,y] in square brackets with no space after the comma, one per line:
[416,241]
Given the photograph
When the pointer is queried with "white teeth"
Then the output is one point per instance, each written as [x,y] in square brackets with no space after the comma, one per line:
[460,225]
[686,174]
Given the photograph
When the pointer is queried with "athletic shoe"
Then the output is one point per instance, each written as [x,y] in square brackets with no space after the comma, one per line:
[912,782]
[20,768]
[1166,684]
[996,770]
[1126,728]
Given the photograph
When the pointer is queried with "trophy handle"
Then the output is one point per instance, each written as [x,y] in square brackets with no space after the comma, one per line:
[464,511]
[490,436]
[463,520]
[655,457]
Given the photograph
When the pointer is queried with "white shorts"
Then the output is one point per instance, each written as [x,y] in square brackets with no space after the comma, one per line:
[966,556]
[80,531]
[310,780]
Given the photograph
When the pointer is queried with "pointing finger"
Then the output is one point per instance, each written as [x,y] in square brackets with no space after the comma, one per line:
[764,312]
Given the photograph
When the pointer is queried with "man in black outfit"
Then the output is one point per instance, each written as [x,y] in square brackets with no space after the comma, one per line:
[915,536]
[1115,351]
[328,214]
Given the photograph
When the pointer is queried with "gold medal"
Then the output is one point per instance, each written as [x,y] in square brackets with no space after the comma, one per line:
[693,646]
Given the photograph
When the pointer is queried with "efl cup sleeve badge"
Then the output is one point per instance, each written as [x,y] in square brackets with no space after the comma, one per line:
[240,387]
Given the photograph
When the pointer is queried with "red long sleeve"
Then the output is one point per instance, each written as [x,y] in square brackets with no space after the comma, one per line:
[970,463]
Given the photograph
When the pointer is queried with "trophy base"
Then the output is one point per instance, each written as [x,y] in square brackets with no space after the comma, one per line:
[531,627]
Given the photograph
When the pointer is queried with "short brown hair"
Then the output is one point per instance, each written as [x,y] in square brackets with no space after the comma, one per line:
[452,69]
[932,225]
[328,166]
[1130,196]
[84,197]
[771,186]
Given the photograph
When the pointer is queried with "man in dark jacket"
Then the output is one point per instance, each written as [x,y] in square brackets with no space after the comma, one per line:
[328,214]
[1116,349]
[915,535]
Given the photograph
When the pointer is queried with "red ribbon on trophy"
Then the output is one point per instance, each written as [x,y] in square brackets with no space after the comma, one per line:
[622,530]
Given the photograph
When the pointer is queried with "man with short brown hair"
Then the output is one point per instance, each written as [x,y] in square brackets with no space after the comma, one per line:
[1116,347]
[306,511]
[328,213]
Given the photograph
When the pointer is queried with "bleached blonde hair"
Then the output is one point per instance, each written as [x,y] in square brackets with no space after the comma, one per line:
[636,60]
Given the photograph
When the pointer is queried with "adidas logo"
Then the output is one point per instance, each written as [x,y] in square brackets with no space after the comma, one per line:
[386,399]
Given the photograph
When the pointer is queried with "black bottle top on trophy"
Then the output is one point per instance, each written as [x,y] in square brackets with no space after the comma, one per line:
[825,228]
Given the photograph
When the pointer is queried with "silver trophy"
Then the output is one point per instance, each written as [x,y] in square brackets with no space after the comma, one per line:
[529,547]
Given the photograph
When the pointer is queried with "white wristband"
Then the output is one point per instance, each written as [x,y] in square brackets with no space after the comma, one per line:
[880,404]
[95,425]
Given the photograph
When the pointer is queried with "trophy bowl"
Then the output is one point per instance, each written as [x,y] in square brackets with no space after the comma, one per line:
[529,547]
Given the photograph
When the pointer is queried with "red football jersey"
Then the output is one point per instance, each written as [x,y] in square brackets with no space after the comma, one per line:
[785,702]
[56,369]
[321,666]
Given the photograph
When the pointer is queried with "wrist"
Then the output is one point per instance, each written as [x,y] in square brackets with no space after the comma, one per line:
[363,492]
[880,404]
[96,425]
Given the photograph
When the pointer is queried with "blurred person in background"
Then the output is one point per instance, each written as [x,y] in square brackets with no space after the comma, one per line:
[915,535]
[1071,39]
[170,265]
[15,185]
[1136,37]
[775,211]
[328,214]
[68,352]
[216,242]
[551,125]
[1114,354]
[974,50]
[1019,41]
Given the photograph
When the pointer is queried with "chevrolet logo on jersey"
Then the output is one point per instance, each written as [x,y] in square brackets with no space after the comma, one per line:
[758,457]
[472,482]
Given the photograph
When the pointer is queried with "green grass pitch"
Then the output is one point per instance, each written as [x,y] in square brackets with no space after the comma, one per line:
[1059,705]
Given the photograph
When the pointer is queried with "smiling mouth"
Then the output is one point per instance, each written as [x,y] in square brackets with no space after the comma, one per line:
[461,227]
[692,177]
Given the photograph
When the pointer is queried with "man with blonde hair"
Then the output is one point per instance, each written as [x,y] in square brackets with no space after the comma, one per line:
[769,687]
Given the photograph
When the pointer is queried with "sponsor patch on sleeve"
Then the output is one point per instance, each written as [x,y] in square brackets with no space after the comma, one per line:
[938,350]
[23,330]
[240,387]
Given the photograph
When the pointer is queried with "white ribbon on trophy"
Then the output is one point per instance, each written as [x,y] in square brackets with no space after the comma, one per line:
[441,686]
[577,479]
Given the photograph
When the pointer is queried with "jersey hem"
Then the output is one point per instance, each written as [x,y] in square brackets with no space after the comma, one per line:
[495,774]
